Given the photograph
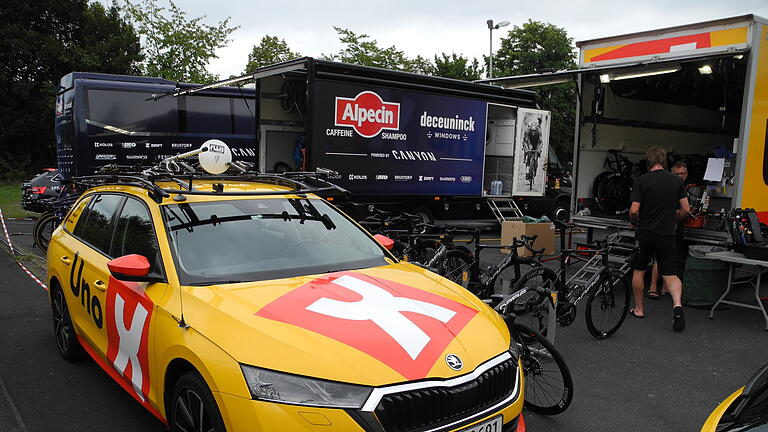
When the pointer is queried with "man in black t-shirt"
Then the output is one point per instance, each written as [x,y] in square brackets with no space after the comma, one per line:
[659,201]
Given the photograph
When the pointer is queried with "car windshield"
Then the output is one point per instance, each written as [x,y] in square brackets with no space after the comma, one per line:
[260,239]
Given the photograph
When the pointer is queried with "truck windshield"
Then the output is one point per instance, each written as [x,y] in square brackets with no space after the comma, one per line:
[261,239]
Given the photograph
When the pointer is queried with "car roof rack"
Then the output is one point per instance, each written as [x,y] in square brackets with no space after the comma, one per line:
[300,183]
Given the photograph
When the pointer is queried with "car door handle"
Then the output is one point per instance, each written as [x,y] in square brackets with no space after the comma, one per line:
[100,285]
[65,259]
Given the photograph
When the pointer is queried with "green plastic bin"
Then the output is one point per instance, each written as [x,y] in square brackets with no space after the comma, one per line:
[704,280]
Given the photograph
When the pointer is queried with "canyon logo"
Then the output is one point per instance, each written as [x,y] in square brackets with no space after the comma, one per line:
[367,114]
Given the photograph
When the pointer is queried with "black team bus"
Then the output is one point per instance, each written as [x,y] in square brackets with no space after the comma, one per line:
[403,142]
[113,119]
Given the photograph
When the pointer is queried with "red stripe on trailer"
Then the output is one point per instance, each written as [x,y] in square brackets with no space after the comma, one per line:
[661,46]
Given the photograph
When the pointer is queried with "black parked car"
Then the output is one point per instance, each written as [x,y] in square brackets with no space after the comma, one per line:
[43,186]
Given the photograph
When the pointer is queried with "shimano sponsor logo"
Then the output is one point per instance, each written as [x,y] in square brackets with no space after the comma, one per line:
[367,114]
[139,157]
[455,122]
[128,145]
[426,178]
[358,177]
[403,177]
[102,156]
[448,179]
[382,177]
[181,145]
[466,179]
[99,144]
[153,145]
[414,155]
[243,152]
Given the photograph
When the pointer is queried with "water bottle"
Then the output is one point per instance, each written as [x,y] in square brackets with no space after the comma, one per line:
[496,187]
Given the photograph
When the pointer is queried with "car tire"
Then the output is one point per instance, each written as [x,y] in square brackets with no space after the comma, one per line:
[193,406]
[66,340]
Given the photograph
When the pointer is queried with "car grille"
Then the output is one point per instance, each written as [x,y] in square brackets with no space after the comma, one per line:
[435,406]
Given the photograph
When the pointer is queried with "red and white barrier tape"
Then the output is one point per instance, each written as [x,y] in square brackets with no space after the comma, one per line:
[13,254]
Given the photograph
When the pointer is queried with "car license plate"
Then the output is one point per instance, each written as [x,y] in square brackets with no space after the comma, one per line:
[492,425]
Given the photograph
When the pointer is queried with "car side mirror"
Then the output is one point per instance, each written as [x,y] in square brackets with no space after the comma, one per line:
[131,268]
[385,241]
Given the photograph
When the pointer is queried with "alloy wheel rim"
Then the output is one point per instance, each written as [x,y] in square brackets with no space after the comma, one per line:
[190,414]
[61,326]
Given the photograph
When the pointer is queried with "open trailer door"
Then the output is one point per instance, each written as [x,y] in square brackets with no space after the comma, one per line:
[693,89]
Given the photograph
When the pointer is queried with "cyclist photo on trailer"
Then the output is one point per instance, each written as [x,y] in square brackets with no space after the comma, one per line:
[531,152]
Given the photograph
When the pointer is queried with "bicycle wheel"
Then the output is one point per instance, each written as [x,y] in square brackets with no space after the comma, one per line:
[43,230]
[456,266]
[607,305]
[531,307]
[548,382]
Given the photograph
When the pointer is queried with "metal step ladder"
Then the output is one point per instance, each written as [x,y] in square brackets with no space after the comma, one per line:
[504,209]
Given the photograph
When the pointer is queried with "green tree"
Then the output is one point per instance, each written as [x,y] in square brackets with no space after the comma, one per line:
[361,50]
[457,67]
[271,50]
[538,47]
[176,47]
[41,41]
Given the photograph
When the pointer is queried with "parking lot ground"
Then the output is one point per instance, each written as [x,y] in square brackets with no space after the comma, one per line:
[643,378]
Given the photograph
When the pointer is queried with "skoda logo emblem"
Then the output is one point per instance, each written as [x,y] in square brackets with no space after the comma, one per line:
[454,362]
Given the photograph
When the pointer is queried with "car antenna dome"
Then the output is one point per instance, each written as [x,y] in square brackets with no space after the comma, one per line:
[215,156]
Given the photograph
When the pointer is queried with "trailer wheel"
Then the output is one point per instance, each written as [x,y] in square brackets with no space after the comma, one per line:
[561,211]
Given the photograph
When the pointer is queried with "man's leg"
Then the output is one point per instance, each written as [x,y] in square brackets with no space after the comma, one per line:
[652,290]
[668,268]
[675,287]
[638,286]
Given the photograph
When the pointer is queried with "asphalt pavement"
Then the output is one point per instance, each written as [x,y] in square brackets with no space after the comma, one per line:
[643,378]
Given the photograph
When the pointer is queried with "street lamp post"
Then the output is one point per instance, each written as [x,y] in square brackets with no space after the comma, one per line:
[491,28]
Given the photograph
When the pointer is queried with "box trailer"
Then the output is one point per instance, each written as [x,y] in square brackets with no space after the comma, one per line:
[698,90]
[401,141]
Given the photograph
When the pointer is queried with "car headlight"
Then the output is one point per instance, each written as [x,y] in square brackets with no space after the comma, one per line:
[274,386]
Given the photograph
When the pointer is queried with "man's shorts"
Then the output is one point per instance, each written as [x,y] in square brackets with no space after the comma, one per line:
[661,247]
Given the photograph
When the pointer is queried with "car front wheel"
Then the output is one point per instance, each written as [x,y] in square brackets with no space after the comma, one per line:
[194,408]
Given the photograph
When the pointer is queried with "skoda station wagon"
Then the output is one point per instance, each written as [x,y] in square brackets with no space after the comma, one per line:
[239,305]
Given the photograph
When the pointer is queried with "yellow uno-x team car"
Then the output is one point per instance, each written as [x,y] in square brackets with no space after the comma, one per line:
[250,306]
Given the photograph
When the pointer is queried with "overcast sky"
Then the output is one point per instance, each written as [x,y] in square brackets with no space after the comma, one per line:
[429,27]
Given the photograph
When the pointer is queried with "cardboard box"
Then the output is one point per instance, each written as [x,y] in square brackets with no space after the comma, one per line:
[514,229]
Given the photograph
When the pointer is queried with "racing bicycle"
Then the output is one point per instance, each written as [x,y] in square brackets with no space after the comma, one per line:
[464,269]
[548,382]
[605,288]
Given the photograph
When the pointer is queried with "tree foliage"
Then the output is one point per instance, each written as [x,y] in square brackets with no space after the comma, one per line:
[176,47]
[41,41]
[270,50]
[457,67]
[538,47]
[362,50]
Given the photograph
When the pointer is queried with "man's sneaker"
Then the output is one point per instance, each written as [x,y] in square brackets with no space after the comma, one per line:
[678,319]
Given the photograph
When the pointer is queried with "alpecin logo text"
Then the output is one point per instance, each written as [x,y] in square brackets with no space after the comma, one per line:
[367,114]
